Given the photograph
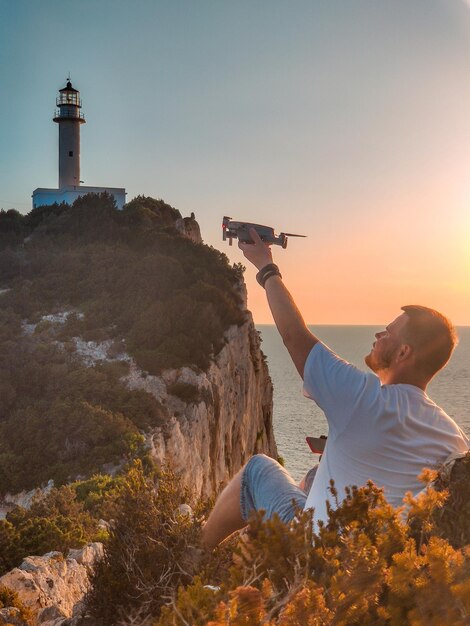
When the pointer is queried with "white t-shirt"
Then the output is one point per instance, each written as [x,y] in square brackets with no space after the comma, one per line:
[386,434]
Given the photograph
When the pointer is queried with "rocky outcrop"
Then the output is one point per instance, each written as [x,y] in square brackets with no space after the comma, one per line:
[189,227]
[52,586]
[228,418]
[23,499]
[215,420]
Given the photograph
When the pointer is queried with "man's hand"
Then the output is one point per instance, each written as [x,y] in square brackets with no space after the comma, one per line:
[258,253]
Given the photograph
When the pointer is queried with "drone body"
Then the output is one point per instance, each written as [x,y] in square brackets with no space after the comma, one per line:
[240,230]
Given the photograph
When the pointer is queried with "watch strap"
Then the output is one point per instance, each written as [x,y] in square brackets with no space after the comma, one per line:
[266,272]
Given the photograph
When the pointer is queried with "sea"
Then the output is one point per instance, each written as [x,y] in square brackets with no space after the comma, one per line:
[296,417]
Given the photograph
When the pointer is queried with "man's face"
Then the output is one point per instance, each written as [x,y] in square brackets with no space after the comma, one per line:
[386,345]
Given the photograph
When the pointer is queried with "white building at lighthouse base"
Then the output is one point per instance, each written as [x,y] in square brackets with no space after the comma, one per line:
[43,196]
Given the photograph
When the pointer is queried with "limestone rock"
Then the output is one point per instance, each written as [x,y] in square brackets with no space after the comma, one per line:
[208,440]
[192,229]
[88,555]
[24,499]
[189,227]
[51,615]
[52,585]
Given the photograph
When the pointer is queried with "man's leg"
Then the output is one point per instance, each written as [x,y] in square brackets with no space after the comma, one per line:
[307,481]
[262,484]
[226,517]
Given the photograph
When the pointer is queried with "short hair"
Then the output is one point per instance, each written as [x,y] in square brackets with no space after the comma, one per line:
[432,335]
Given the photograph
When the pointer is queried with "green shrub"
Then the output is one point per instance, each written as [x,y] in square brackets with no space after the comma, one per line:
[99,493]
[55,521]
[150,552]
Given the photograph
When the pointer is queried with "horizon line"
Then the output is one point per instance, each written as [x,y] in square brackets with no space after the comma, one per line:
[367,324]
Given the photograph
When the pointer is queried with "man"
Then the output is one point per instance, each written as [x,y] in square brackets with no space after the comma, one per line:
[382,425]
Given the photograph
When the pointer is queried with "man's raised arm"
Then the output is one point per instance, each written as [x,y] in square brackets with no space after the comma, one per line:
[287,317]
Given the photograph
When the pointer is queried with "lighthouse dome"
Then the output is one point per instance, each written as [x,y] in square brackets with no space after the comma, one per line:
[68,87]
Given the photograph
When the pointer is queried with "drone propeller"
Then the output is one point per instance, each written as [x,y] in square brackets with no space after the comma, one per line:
[292,235]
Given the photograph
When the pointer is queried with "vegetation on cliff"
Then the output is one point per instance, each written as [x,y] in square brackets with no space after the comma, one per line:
[148,559]
[367,566]
[65,517]
[58,521]
[128,278]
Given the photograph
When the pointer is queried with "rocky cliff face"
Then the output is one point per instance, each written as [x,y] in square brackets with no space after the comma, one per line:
[189,227]
[51,586]
[207,440]
[215,419]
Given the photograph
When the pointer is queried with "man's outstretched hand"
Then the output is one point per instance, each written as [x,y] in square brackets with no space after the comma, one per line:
[258,253]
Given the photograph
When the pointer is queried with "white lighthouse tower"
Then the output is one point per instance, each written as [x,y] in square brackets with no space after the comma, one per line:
[68,115]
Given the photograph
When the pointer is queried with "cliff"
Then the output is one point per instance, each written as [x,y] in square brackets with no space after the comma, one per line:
[124,324]
[205,440]
[122,336]
[208,440]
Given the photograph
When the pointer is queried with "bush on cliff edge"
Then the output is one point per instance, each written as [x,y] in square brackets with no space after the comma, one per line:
[150,551]
[366,566]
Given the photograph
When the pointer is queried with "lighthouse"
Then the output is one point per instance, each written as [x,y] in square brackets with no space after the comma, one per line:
[69,117]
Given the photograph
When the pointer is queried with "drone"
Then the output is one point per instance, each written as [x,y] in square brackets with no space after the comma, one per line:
[241,231]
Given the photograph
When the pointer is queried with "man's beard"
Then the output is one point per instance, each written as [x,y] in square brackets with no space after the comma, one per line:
[382,362]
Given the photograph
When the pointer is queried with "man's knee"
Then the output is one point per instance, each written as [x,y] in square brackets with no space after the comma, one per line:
[259,458]
[259,463]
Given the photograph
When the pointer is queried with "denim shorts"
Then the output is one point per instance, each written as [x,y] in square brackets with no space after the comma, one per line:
[267,486]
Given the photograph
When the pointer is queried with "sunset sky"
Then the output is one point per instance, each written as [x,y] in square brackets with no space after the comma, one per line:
[347,121]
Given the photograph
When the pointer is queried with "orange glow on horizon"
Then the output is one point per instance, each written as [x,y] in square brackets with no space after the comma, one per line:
[364,272]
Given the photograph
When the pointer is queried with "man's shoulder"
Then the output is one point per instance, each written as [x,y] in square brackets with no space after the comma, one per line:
[410,402]
[324,358]
[321,355]
[420,412]
[412,395]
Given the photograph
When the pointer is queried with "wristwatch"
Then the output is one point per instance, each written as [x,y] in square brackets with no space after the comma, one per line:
[266,272]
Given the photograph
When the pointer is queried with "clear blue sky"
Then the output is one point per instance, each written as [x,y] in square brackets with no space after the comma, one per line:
[348,121]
